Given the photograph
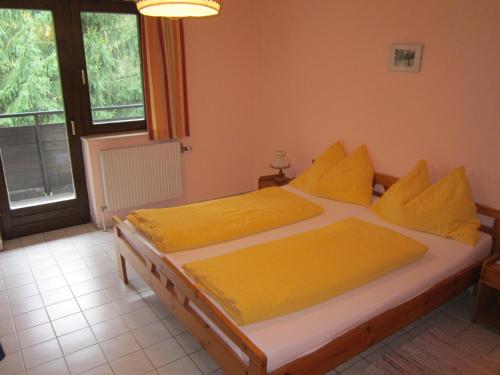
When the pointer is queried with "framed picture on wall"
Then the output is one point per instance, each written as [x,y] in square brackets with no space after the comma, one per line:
[406,58]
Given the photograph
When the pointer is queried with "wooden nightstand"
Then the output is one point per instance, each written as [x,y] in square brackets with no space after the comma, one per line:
[487,306]
[270,180]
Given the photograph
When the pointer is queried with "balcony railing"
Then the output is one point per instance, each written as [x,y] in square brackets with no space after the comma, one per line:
[38,115]
[34,149]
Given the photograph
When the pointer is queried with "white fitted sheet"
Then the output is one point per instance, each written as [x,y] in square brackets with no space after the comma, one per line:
[289,337]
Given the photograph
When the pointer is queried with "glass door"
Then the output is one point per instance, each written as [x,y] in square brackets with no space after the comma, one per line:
[42,175]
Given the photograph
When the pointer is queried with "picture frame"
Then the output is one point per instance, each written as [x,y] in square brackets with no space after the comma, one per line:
[406,58]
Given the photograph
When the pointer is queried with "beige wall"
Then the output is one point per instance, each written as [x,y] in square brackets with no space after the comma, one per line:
[325,77]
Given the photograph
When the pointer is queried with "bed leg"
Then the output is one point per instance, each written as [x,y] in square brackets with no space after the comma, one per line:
[122,268]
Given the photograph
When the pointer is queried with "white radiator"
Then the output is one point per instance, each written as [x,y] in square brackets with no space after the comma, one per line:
[138,175]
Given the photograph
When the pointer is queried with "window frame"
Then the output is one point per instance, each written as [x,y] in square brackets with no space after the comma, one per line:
[82,91]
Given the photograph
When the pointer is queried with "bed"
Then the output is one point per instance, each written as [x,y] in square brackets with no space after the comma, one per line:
[321,337]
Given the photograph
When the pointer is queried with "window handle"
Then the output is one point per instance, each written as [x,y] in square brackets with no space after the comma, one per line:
[73,127]
[84,77]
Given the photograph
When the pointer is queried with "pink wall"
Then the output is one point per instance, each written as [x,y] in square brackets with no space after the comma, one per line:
[298,75]
[324,76]
[221,71]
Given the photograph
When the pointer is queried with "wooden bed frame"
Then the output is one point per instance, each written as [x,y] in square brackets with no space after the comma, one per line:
[180,294]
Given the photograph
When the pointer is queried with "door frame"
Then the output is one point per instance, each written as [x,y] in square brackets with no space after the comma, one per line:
[41,218]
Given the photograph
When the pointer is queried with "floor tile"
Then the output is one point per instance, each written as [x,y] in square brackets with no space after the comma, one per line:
[119,346]
[129,304]
[174,326]
[101,313]
[68,256]
[31,319]
[52,284]
[94,299]
[46,273]
[139,318]
[77,340]
[99,370]
[161,311]
[69,324]
[133,364]
[5,312]
[91,251]
[103,237]
[78,276]
[62,309]
[150,297]
[7,327]
[110,280]
[55,367]
[41,353]
[121,291]
[56,296]
[151,334]
[204,362]
[19,280]
[164,352]
[12,364]
[21,306]
[72,266]
[85,287]
[109,329]
[188,343]
[36,335]
[24,291]
[183,366]
[4,298]
[85,359]
[15,270]
[10,343]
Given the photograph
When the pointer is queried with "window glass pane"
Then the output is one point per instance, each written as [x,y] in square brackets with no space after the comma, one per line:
[33,137]
[113,67]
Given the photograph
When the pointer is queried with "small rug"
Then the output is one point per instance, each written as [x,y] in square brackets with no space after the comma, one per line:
[434,353]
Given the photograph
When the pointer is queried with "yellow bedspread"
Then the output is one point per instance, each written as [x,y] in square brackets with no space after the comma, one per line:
[290,274]
[206,223]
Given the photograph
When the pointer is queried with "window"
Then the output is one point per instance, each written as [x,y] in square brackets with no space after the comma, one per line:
[107,43]
[111,43]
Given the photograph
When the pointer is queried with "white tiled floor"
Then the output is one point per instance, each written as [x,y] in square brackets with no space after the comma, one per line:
[63,310]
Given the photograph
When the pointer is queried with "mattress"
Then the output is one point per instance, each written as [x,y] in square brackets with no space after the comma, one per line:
[292,336]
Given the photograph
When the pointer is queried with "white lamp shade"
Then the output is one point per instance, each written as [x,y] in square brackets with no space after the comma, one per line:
[178,8]
[280,160]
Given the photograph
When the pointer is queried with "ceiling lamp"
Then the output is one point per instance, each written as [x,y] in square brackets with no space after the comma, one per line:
[178,8]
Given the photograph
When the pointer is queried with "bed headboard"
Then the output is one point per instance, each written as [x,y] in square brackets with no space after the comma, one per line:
[494,230]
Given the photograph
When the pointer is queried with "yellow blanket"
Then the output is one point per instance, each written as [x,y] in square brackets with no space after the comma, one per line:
[202,224]
[291,274]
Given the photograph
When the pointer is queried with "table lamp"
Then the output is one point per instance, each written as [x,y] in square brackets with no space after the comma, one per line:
[280,161]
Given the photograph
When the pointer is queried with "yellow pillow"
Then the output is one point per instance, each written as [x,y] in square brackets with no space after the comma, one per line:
[350,180]
[325,161]
[445,208]
[402,191]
